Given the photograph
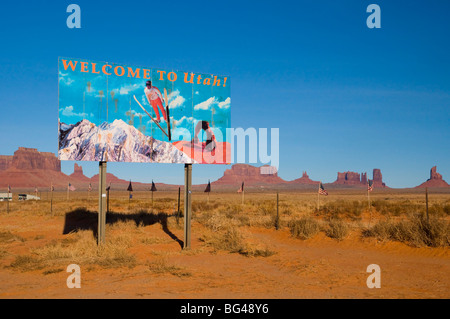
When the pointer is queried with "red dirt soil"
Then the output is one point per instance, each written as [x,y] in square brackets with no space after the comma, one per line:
[316,268]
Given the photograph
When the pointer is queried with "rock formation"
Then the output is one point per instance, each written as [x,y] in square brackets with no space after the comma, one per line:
[434,174]
[5,162]
[378,178]
[364,178]
[248,174]
[435,180]
[30,158]
[353,178]
[30,168]
[303,180]
[349,178]
[78,174]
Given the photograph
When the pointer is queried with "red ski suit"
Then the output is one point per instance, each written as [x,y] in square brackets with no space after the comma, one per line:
[155,99]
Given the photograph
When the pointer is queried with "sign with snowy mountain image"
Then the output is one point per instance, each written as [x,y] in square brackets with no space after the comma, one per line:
[120,113]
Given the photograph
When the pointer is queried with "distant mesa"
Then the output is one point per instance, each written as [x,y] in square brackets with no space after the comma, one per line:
[435,180]
[250,175]
[77,169]
[357,179]
[378,178]
[77,174]
[111,178]
[29,159]
[29,168]
[434,175]
[78,178]
[348,178]
[304,180]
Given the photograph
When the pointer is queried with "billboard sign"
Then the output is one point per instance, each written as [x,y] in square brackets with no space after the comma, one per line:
[120,113]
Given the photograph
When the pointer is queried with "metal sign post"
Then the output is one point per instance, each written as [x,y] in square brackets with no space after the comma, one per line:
[277,223]
[102,203]
[107,200]
[187,205]
[51,205]
[178,208]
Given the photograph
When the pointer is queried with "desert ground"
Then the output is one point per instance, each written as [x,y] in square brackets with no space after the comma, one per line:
[238,250]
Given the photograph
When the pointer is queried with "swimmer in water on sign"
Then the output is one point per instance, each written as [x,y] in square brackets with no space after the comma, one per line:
[211,143]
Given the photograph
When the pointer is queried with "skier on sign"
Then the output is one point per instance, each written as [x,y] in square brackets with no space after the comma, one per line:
[210,144]
[156,100]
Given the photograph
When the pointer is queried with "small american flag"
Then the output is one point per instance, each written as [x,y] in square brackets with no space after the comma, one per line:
[208,187]
[240,190]
[130,188]
[370,185]
[322,190]
[71,187]
[153,189]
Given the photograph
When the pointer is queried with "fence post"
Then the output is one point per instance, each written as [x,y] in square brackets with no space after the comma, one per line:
[187,205]
[277,223]
[102,202]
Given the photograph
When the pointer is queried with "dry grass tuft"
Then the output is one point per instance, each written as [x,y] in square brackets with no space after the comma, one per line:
[398,208]
[7,237]
[343,208]
[337,229]
[257,252]
[53,271]
[161,266]
[200,206]
[27,263]
[304,228]
[80,248]
[231,239]
[415,230]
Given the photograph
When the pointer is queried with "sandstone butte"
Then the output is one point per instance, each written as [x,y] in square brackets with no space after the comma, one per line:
[357,179]
[248,174]
[29,168]
[304,180]
[435,180]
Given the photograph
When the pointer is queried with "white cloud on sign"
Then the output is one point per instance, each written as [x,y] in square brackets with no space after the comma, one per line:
[130,87]
[68,111]
[225,104]
[205,105]
[213,101]
[175,99]
[184,118]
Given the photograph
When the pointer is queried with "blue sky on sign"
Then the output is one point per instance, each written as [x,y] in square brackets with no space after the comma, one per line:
[344,97]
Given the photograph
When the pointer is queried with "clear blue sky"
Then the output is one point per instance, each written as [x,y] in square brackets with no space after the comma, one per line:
[344,96]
